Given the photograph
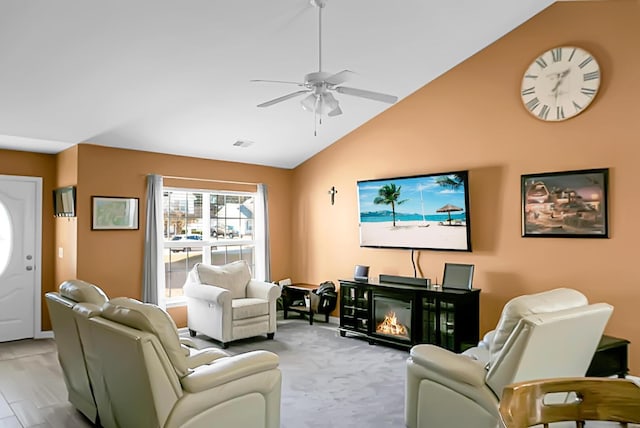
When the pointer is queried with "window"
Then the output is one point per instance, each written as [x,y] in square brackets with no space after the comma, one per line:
[212,227]
[5,238]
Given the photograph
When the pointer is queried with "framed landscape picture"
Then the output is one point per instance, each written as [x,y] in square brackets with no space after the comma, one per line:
[571,204]
[114,213]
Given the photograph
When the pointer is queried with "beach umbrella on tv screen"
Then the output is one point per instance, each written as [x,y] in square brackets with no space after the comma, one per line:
[448,209]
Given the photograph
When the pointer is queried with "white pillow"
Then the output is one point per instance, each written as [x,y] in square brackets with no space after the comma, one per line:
[233,277]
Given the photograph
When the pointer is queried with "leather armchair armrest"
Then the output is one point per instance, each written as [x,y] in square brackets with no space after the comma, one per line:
[207,292]
[188,346]
[449,365]
[204,356]
[225,370]
[188,342]
[263,290]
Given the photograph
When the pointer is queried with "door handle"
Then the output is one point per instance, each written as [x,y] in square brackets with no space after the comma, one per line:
[29,267]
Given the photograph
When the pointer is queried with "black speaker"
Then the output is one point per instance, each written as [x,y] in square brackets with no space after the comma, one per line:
[406,280]
[361,273]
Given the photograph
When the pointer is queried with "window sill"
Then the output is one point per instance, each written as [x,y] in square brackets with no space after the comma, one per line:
[176,302]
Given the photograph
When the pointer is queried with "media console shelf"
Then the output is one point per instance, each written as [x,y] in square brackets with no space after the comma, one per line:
[405,315]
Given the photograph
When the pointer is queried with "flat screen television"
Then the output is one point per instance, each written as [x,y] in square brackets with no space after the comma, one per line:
[429,212]
[64,202]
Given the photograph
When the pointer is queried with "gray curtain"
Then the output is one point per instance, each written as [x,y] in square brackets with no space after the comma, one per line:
[153,273]
[261,218]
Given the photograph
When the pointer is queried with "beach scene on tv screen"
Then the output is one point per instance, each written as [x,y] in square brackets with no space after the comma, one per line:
[414,212]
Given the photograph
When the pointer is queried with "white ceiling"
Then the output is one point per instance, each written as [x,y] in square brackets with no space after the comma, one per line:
[174,76]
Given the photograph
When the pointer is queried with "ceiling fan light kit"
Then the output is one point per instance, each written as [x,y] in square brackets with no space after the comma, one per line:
[319,85]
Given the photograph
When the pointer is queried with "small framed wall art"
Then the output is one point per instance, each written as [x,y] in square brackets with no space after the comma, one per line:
[114,213]
[569,204]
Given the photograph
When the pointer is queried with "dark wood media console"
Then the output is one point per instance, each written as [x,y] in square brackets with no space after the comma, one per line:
[405,315]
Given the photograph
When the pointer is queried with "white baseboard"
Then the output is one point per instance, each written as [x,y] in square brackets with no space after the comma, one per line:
[44,335]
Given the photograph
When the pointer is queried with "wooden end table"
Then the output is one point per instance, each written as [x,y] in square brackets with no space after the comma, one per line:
[295,293]
[610,358]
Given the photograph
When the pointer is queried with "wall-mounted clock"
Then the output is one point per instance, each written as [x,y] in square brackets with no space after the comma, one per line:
[560,83]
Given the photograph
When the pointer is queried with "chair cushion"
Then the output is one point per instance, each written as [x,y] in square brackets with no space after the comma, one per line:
[152,319]
[521,306]
[233,277]
[249,308]
[82,291]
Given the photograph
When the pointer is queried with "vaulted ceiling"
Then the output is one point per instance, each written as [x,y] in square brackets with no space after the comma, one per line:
[174,76]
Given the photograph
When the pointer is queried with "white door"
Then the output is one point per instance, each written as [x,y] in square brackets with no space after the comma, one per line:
[19,256]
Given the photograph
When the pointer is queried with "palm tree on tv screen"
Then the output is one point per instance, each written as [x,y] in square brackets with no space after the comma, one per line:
[388,195]
[452,181]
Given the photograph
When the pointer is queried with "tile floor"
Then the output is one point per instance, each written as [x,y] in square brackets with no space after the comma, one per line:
[32,390]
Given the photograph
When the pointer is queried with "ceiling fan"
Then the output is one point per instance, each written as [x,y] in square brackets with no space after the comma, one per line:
[320,85]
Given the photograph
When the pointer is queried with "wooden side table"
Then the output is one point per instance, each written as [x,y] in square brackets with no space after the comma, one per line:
[610,358]
[291,294]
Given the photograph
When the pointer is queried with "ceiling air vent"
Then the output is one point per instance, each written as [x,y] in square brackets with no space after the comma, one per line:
[243,143]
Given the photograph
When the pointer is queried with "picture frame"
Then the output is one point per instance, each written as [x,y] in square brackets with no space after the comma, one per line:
[114,213]
[568,204]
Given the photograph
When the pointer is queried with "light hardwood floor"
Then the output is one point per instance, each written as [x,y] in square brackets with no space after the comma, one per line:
[32,389]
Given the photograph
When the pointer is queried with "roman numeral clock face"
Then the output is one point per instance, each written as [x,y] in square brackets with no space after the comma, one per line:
[560,83]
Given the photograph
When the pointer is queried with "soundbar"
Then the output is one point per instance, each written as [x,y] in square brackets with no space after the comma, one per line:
[405,280]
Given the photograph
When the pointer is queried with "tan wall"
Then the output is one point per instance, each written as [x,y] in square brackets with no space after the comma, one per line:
[113,259]
[179,315]
[473,118]
[66,228]
[38,165]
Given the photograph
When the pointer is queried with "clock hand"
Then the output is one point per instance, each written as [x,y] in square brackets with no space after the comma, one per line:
[561,77]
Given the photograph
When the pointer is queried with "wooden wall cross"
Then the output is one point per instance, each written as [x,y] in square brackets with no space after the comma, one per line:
[333,192]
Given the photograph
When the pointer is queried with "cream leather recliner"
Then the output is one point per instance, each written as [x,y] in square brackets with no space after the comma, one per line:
[224,303]
[149,379]
[545,335]
[70,350]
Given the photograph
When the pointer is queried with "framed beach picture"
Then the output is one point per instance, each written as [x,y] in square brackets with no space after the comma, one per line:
[570,204]
[429,211]
[114,213]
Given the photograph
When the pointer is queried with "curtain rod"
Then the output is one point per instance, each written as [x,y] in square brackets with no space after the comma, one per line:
[210,180]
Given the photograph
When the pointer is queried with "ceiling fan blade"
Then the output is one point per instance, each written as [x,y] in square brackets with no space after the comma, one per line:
[282,98]
[376,96]
[339,78]
[277,81]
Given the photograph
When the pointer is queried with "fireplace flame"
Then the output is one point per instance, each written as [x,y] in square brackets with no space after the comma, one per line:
[390,325]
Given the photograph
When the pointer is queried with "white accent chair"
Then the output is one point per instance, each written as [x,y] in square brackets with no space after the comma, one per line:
[545,335]
[149,379]
[71,354]
[224,303]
